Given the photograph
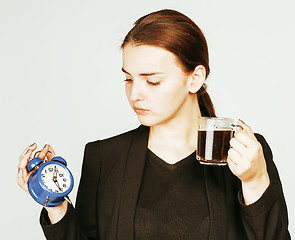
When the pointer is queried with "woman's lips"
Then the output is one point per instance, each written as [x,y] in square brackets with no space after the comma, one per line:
[140,110]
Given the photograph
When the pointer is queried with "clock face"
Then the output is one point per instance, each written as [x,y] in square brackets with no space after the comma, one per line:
[55,178]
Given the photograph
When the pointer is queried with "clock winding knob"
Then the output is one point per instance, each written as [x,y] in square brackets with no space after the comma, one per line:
[34,163]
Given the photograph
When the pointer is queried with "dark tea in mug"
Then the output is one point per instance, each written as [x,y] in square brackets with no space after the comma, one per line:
[213,139]
[213,146]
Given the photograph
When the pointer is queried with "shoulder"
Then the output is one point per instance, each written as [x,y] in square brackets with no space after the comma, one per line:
[112,146]
[117,139]
[268,156]
[265,147]
[106,154]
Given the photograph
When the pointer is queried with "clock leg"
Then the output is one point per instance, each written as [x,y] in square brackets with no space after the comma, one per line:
[67,198]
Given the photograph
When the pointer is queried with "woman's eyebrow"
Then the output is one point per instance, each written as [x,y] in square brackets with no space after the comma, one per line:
[143,74]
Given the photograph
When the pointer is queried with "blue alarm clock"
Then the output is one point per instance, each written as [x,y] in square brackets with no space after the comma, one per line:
[51,181]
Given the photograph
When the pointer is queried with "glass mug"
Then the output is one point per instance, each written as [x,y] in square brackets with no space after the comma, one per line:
[213,139]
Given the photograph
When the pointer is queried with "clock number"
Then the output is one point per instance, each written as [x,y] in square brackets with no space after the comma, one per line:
[50,169]
[64,185]
[42,175]
[61,174]
[64,179]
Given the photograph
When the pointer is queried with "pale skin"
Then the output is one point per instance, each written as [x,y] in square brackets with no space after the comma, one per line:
[55,214]
[164,98]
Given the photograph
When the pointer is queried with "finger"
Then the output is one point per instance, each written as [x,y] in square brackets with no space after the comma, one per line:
[238,146]
[231,162]
[22,182]
[32,147]
[234,155]
[245,139]
[232,165]
[26,174]
[50,153]
[43,152]
[25,159]
[238,130]
[235,162]
[246,128]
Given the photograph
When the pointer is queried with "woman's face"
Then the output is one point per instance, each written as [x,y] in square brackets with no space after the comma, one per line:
[156,86]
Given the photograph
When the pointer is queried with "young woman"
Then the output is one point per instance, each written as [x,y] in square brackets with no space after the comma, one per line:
[146,183]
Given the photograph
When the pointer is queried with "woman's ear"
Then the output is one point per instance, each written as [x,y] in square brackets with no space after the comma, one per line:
[197,79]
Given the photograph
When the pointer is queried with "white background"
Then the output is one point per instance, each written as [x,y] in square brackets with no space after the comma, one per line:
[61,82]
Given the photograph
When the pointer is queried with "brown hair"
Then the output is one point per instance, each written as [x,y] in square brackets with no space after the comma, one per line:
[178,34]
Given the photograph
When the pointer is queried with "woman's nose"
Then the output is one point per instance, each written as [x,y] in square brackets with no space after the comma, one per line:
[136,93]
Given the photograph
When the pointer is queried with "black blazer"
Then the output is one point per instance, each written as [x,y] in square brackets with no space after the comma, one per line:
[110,183]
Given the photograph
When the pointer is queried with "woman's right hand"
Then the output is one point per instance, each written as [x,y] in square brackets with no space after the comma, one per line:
[23,175]
[54,213]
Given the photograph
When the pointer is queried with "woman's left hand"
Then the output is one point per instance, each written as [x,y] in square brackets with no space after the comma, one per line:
[247,162]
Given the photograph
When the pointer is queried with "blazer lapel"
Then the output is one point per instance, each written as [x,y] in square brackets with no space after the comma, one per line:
[131,184]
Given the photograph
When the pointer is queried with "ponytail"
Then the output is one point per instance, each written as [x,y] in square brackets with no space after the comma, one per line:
[206,106]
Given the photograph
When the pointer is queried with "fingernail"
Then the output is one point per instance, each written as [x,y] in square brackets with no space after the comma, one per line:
[242,121]
[50,152]
[28,151]
[18,170]
[32,145]
[45,146]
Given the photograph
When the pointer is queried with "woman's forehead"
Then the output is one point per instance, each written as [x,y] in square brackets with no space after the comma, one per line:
[147,59]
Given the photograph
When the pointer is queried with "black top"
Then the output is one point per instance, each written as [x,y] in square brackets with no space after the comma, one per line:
[109,187]
[172,201]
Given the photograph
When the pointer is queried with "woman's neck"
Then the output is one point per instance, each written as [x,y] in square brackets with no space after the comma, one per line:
[176,139]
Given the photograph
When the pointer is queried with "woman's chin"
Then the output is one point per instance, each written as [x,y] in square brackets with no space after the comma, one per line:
[146,122]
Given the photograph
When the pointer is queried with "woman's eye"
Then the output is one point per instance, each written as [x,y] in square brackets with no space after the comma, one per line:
[128,80]
[153,83]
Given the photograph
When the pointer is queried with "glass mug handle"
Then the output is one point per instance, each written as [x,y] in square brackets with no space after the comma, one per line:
[235,127]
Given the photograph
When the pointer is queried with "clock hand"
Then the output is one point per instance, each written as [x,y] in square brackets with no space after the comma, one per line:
[55,178]
[55,174]
[57,184]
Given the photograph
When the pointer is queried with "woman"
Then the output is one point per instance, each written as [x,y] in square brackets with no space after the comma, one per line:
[146,183]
